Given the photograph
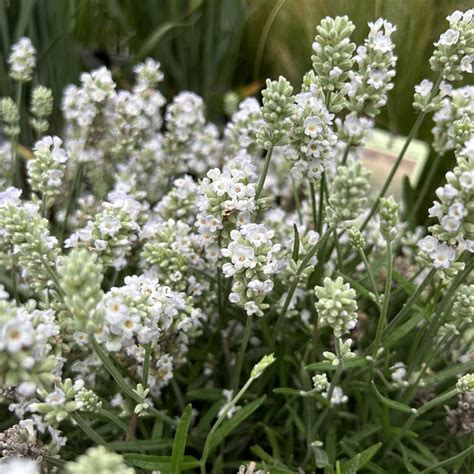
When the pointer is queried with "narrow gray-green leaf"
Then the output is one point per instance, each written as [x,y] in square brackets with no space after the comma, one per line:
[179,445]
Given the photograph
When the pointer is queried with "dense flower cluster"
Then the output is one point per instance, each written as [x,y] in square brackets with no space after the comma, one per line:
[22,60]
[336,305]
[252,263]
[312,138]
[368,87]
[454,53]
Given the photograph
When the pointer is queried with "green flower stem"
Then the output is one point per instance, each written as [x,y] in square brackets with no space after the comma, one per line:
[241,355]
[115,420]
[340,262]
[294,285]
[263,174]
[313,203]
[424,190]
[230,405]
[386,300]
[345,155]
[371,276]
[411,135]
[72,199]
[321,202]
[338,373]
[146,364]
[297,201]
[14,143]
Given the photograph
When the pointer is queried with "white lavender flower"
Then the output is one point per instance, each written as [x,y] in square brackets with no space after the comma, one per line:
[368,87]
[46,170]
[459,103]
[41,108]
[98,460]
[336,305]
[349,196]
[241,131]
[252,263]
[276,111]
[10,116]
[22,60]
[454,51]
[312,140]
[26,351]
[148,73]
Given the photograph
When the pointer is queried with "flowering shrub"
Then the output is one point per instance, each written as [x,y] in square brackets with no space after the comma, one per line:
[180,297]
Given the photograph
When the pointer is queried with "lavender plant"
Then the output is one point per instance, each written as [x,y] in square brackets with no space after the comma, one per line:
[176,296]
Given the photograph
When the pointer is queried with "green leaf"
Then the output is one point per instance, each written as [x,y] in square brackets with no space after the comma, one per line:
[320,457]
[146,445]
[296,246]
[362,458]
[180,437]
[394,405]
[158,463]
[351,466]
[228,426]
[348,364]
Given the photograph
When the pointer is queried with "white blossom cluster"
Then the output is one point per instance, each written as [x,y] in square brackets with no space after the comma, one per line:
[22,60]
[456,106]
[145,312]
[368,87]
[46,170]
[226,200]
[453,210]
[312,139]
[454,53]
[27,359]
[252,263]
[113,231]
[241,131]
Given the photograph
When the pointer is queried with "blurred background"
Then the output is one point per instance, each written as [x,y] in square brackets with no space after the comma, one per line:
[213,46]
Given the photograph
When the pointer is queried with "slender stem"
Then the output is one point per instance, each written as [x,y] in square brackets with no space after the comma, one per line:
[146,364]
[241,355]
[230,405]
[370,274]
[14,143]
[345,155]
[386,299]
[15,287]
[424,190]
[263,174]
[313,203]
[340,263]
[297,200]
[411,135]
[294,284]
[321,202]
[72,198]
[338,373]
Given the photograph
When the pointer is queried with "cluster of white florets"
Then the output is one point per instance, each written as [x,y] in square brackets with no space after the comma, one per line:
[26,348]
[252,264]
[454,212]
[226,201]
[113,231]
[22,60]
[144,312]
[368,87]
[312,139]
